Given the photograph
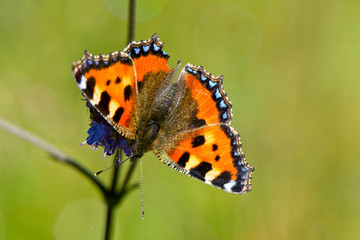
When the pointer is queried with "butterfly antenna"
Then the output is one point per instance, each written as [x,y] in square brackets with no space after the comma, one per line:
[116,164]
[141,191]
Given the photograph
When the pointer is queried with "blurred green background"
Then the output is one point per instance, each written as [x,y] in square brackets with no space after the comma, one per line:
[291,70]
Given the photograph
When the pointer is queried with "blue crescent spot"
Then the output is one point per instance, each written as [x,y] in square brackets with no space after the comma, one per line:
[115,59]
[146,48]
[212,84]
[137,51]
[156,47]
[236,153]
[129,54]
[96,63]
[225,116]
[90,62]
[164,53]
[190,70]
[243,176]
[106,62]
[217,94]
[222,104]
[203,78]
[85,65]
[243,169]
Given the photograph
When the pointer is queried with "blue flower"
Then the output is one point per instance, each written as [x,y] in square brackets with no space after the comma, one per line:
[101,133]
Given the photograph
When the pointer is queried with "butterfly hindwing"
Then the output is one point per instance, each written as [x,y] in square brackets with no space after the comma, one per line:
[109,84]
[200,142]
[213,155]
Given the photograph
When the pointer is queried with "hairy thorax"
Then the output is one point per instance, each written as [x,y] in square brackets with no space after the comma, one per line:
[154,118]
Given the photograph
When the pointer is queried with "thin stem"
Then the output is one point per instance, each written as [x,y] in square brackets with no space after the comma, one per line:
[22,133]
[131,21]
[116,171]
[111,199]
[89,175]
[109,219]
[127,178]
[53,151]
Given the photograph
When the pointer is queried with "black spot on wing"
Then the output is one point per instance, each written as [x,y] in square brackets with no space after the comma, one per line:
[214,147]
[238,187]
[90,85]
[103,105]
[118,114]
[126,60]
[222,179]
[108,82]
[118,80]
[78,77]
[196,122]
[139,86]
[198,141]
[217,158]
[127,92]
[183,159]
[200,170]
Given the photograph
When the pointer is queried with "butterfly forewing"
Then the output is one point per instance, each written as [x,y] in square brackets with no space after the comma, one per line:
[148,57]
[152,72]
[109,83]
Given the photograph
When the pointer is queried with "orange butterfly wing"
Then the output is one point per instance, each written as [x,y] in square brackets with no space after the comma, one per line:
[109,83]
[208,149]
[148,57]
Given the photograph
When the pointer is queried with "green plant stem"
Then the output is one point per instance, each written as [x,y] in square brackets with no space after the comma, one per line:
[56,154]
[129,173]
[131,21]
[111,199]
[108,223]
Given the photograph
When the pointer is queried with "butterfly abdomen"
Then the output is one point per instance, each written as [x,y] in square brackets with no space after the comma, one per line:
[152,121]
[165,103]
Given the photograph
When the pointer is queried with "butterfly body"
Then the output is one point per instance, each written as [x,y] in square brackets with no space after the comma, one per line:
[152,120]
[186,123]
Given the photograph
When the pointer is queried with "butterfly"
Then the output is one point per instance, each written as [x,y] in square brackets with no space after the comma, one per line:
[186,123]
